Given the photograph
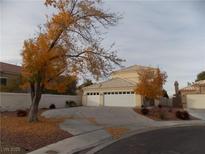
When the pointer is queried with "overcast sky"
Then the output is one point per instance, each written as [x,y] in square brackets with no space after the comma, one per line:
[165,34]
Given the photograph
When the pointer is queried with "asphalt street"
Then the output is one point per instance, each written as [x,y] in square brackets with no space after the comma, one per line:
[184,140]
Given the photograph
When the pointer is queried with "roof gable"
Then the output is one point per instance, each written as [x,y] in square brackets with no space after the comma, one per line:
[10,68]
[112,83]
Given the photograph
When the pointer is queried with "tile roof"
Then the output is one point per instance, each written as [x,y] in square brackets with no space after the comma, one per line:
[133,68]
[194,87]
[112,83]
[10,68]
[190,88]
[201,82]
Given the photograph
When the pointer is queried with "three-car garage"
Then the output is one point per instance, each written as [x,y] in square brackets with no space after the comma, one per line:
[114,92]
[113,98]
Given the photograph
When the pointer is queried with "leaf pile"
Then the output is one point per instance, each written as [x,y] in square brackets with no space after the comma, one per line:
[116,132]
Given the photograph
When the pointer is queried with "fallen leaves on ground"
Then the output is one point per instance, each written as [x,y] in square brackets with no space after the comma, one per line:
[92,120]
[116,132]
[19,132]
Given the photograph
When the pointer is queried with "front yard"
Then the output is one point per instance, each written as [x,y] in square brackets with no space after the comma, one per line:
[16,131]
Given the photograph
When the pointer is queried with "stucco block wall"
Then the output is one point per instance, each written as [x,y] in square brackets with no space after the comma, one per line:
[15,101]
[196,101]
[138,100]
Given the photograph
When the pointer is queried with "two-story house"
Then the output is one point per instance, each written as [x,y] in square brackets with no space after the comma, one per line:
[116,91]
[9,77]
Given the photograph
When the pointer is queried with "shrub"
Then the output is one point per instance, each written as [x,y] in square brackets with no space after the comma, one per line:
[144,111]
[52,106]
[21,113]
[184,115]
[71,104]
[160,106]
[142,106]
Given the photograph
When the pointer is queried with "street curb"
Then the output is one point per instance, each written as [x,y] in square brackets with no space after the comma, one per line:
[89,146]
[143,130]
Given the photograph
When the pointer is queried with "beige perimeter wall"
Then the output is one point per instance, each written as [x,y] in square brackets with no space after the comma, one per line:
[14,101]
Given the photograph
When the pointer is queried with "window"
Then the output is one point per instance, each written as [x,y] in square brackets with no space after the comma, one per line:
[113,93]
[105,93]
[120,92]
[108,93]
[128,92]
[124,92]
[97,93]
[3,81]
[132,92]
[116,93]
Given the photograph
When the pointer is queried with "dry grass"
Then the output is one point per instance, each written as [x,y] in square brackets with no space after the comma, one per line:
[116,132]
[19,132]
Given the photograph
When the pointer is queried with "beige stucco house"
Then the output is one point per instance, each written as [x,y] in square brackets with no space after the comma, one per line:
[116,91]
[193,96]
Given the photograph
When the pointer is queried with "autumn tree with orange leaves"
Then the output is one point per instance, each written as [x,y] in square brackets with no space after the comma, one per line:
[151,83]
[68,44]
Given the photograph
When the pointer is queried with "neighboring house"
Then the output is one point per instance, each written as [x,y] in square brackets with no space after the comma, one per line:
[9,77]
[193,96]
[117,91]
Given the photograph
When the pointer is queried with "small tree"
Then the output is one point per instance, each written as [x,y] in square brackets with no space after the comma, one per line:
[151,83]
[201,76]
[68,44]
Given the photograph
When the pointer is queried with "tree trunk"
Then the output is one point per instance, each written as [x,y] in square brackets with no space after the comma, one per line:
[36,93]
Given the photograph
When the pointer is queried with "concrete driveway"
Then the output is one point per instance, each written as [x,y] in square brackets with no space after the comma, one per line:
[87,119]
[198,113]
[102,115]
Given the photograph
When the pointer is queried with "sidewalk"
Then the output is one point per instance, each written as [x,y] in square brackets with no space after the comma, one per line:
[76,143]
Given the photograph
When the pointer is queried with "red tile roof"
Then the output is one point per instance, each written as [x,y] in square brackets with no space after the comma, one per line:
[10,68]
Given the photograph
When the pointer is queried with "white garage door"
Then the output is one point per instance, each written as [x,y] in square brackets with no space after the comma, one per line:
[93,99]
[196,101]
[124,99]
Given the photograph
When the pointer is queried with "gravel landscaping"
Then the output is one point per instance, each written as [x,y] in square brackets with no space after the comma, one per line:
[162,113]
[18,132]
